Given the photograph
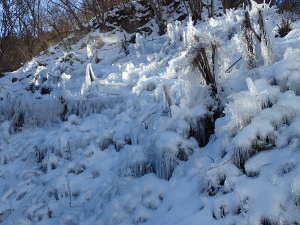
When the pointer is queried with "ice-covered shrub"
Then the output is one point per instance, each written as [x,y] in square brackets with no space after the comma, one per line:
[85,107]
[170,149]
[200,61]
[243,153]
[249,41]
[220,211]
[251,38]
[245,105]
[262,133]
[287,74]
[202,128]
[268,221]
[77,169]
[174,31]
[203,58]
[27,112]
[251,123]
[138,163]
[165,164]
[215,183]
[219,180]
[290,135]
[266,45]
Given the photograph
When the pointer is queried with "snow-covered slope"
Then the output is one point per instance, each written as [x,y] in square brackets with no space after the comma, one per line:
[90,135]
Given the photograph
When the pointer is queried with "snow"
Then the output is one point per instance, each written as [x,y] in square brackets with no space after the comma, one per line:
[111,142]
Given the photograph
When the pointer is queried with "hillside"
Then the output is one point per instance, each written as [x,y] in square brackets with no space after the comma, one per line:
[196,126]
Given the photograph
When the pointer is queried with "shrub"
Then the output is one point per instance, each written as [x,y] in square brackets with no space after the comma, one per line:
[284,27]
[249,41]
[201,62]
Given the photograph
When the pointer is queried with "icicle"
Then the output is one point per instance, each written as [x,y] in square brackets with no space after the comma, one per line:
[138,169]
[174,32]
[267,52]
[89,78]
[171,33]
[189,33]
[251,86]
[165,165]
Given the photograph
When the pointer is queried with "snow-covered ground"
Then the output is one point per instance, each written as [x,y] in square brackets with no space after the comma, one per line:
[90,135]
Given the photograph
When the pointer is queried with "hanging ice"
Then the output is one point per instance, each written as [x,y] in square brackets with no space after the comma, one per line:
[89,78]
[251,86]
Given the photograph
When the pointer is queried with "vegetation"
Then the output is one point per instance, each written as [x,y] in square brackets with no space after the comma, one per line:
[284,27]
[28,27]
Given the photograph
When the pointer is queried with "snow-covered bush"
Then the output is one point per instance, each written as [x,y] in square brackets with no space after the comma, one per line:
[249,42]
[261,132]
[170,149]
[245,105]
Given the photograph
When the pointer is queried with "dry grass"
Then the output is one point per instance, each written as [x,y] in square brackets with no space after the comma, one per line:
[201,62]
[284,27]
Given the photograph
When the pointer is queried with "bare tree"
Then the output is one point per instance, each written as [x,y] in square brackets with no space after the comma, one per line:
[28,26]
[72,9]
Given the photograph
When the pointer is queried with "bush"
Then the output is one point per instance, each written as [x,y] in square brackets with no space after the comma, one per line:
[200,61]
[284,27]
